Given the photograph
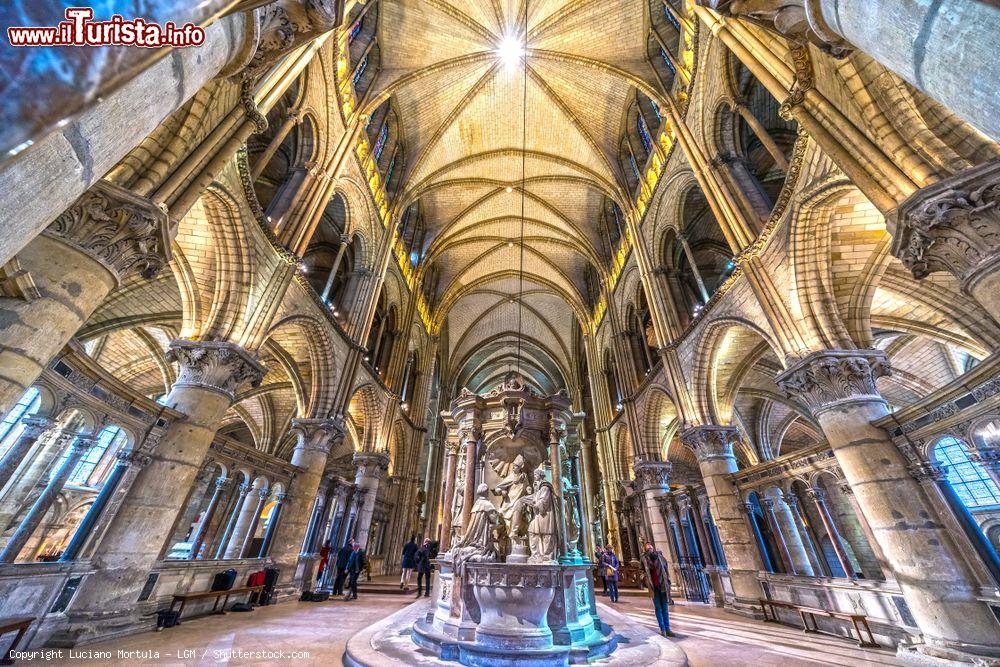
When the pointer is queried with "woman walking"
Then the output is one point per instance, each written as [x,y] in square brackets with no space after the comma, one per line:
[409,562]
[611,565]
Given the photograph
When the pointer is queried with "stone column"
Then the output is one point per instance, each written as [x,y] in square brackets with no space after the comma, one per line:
[819,498]
[953,226]
[794,547]
[345,241]
[251,529]
[206,518]
[372,467]
[210,375]
[292,118]
[108,235]
[244,517]
[127,460]
[272,524]
[557,433]
[916,40]
[450,465]
[713,445]
[289,551]
[470,443]
[779,536]
[819,564]
[241,493]
[44,501]
[839,388]
[653,481]
[34,427]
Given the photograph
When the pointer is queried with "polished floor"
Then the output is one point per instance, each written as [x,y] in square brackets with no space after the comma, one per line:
[304,633]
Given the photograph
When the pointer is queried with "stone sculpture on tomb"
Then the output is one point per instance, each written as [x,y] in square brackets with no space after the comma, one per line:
[542,530]
[515,486]
[478,544]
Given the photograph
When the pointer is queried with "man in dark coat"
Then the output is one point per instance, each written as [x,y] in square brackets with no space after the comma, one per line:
[356,564]
[658,577]
[409,563]
[598,557]
[342,556]
[423,560]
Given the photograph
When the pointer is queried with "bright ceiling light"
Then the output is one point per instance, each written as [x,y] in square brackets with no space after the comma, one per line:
[509,189]
[510,50]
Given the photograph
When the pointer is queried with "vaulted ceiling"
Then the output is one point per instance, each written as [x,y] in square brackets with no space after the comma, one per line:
[462,107]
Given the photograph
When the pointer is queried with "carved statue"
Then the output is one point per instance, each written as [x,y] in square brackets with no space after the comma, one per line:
[477,543]
[572,519]
[542,529]
[515,486]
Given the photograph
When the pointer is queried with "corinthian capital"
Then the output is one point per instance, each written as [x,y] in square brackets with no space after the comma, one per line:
[371,464]
[652,474]
[829,378]
[214,365]
[288,24]
[317,434]
[124,232]
[710,441]
[796,20]
[952,225]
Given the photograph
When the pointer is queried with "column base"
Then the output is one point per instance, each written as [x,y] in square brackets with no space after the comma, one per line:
[935,655]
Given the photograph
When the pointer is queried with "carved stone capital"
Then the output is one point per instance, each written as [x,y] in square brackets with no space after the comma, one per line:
[926,472]
[799,21]
[317,435]
[652,474]
[135,458]
[216,366]
[952,225]
[826,379]
[35,426]
[288,24]
[124,232]
[710,441]
[371,464]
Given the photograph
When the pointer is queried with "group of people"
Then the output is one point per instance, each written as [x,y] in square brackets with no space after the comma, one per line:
[657,575]
[419,559]
[351,562]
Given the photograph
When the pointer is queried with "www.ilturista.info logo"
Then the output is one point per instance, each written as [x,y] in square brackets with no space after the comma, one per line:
[79,29]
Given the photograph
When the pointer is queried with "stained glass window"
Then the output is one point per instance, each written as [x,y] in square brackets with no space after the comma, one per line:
[388,172]
[669,63]
[647,141]
[971,483]
[361,70]
[355,29]
[670,17]
[383,134]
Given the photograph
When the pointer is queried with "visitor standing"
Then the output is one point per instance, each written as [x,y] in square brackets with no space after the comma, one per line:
[598,558]
[611,565]
[355,566]
[423,560]
[343,554]
[658,578]
[409,562]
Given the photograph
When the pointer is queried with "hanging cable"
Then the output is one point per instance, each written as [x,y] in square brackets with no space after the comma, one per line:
[524,153]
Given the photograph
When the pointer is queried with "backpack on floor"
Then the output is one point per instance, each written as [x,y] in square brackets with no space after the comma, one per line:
[241,606]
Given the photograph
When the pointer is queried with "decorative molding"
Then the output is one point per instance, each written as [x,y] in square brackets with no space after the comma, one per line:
[317,435]
[215,365]
[952,225]
[371,464]
[124,232]
[801,22]
[826,379]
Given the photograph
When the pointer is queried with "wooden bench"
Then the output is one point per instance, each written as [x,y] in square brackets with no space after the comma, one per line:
[808,614]
[8,625]
[183,598]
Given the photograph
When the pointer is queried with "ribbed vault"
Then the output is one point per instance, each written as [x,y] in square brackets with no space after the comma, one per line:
[473,163]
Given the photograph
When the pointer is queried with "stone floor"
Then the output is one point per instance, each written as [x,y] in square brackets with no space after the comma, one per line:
[316,634]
